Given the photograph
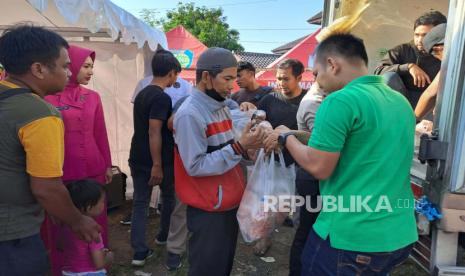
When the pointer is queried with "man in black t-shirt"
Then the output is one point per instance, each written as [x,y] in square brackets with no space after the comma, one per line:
[281,109]
[151,157]
[251,91]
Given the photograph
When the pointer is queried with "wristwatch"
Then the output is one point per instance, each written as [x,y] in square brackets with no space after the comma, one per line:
[283,137]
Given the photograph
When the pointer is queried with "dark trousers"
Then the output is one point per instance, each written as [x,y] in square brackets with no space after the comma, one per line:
[308,187]
[26,256]
[394,81]
[319,258]
[141,201]
[212,244]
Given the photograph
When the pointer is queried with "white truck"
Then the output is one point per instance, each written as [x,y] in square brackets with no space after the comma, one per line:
[438,169]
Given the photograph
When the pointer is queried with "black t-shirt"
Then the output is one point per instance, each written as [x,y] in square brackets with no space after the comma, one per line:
[244,95]
[151,103]
[280,110]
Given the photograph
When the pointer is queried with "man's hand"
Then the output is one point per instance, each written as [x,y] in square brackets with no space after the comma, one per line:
[252,139]
[420,78]
[156,176]
[87,229]
[282,129]
[271,142]
[246,106]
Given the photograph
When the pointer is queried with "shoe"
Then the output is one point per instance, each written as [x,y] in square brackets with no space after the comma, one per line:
[173,261]
[126,220]
[262,246]
[161,239]
[288,222]
[140,258]
[158,209]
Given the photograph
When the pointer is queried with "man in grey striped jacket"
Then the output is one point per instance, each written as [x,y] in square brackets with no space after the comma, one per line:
[208,177]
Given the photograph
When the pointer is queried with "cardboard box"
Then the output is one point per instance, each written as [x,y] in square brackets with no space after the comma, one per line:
[453,212]
[453,220]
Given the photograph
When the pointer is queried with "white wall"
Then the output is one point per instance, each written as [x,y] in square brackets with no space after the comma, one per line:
[387,23]
[118,68]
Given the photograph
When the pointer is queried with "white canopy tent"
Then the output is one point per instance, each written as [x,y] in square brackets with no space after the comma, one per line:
[89,16]
[122,44]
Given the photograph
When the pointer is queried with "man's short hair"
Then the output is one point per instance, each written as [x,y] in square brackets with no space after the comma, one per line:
[296,66]
[24,44]
[163,62]
[347,46]
[245,65]
[430,18]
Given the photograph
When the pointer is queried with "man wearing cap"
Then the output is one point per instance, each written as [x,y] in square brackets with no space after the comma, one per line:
[434,45]
[208,177]
[407,68]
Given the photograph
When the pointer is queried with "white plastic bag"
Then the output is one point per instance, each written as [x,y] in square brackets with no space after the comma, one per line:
[268,178]
[239,119]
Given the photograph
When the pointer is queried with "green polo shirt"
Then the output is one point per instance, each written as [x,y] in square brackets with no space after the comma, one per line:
[368,203]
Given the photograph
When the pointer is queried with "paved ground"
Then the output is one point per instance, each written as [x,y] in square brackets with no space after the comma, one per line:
[245,263]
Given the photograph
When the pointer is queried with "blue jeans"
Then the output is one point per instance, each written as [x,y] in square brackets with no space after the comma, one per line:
[141,201]
[319,258]
[26,256]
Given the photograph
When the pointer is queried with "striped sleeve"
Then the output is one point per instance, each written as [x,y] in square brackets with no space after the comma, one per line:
[192,140]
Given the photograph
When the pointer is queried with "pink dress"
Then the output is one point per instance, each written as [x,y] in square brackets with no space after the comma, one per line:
[78,254]
[87,152]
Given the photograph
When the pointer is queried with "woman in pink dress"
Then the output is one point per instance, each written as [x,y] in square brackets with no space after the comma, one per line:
[87,152]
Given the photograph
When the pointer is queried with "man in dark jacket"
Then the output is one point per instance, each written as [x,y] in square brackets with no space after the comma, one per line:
[407,68]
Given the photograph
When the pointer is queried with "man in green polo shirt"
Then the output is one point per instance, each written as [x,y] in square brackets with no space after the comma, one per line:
[361,149]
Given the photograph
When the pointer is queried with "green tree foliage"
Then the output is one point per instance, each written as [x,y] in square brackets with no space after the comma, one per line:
[207,24]
[151,17]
